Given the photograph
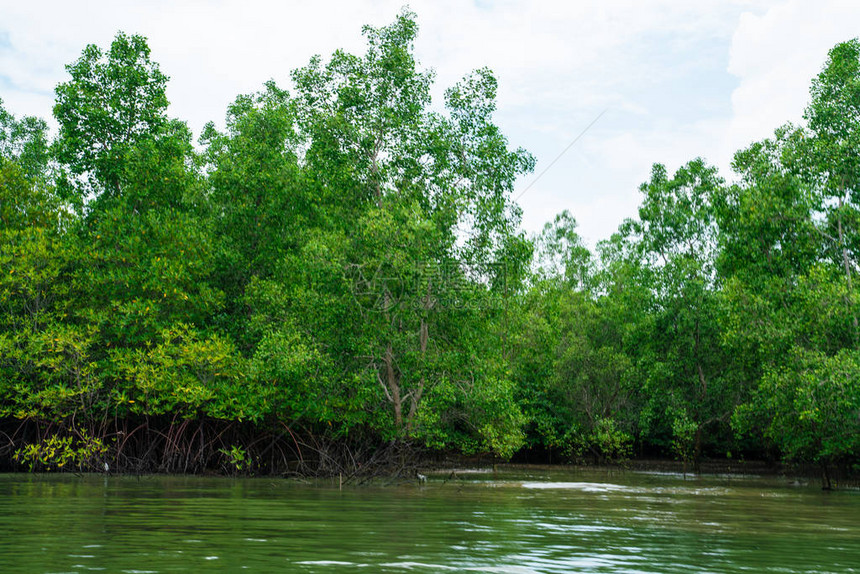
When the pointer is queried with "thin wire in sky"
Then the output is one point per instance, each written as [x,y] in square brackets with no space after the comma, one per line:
[564,151]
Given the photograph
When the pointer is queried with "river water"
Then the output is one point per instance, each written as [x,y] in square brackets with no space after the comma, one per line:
[513,521]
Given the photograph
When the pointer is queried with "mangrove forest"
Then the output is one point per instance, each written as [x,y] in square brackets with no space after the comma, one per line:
[337,281]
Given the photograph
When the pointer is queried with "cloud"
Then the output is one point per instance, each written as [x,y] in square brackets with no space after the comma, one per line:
[680,79]
[776,55]
[545,54]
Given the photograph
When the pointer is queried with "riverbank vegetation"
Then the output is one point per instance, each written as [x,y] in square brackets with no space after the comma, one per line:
[338,280]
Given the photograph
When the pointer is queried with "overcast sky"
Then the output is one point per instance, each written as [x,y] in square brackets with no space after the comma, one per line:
[676,79]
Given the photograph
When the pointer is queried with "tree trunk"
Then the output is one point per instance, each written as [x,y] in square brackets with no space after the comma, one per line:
[697,450]
[393,386]
[826,483]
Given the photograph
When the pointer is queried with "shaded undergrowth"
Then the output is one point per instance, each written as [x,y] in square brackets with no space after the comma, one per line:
[202,446]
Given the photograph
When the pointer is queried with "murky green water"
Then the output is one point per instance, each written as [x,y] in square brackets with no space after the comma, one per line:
[513,522]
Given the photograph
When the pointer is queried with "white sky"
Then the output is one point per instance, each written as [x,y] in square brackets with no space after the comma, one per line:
[678,79]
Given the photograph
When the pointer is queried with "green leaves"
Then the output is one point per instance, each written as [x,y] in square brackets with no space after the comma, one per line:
[834,118]
[114,100]
[560,254]
[677,215]
[347,258]
[789,236]
[78,451]
[395,184]
[260,204]
[25,142]
[810,406]
[137,274]
[184,373]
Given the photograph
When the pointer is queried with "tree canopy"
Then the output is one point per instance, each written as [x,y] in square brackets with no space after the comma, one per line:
[340,273]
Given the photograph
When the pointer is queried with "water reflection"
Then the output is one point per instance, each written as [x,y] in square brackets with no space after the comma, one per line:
[515,522]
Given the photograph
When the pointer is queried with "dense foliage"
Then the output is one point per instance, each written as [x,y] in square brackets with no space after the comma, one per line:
[343,265]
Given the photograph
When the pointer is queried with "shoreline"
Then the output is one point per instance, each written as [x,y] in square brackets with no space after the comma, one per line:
[455,470]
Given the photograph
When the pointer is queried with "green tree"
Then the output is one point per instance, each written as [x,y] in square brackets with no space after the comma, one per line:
[687,391]
[560,252]
[398,182]
[790,237]
[114,100]
[26,142]
[768,238]
[570,362]
[43,363]
[808,407]
[259,202]
[834,119]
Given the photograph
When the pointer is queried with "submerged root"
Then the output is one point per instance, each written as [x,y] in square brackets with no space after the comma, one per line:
[193,446]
